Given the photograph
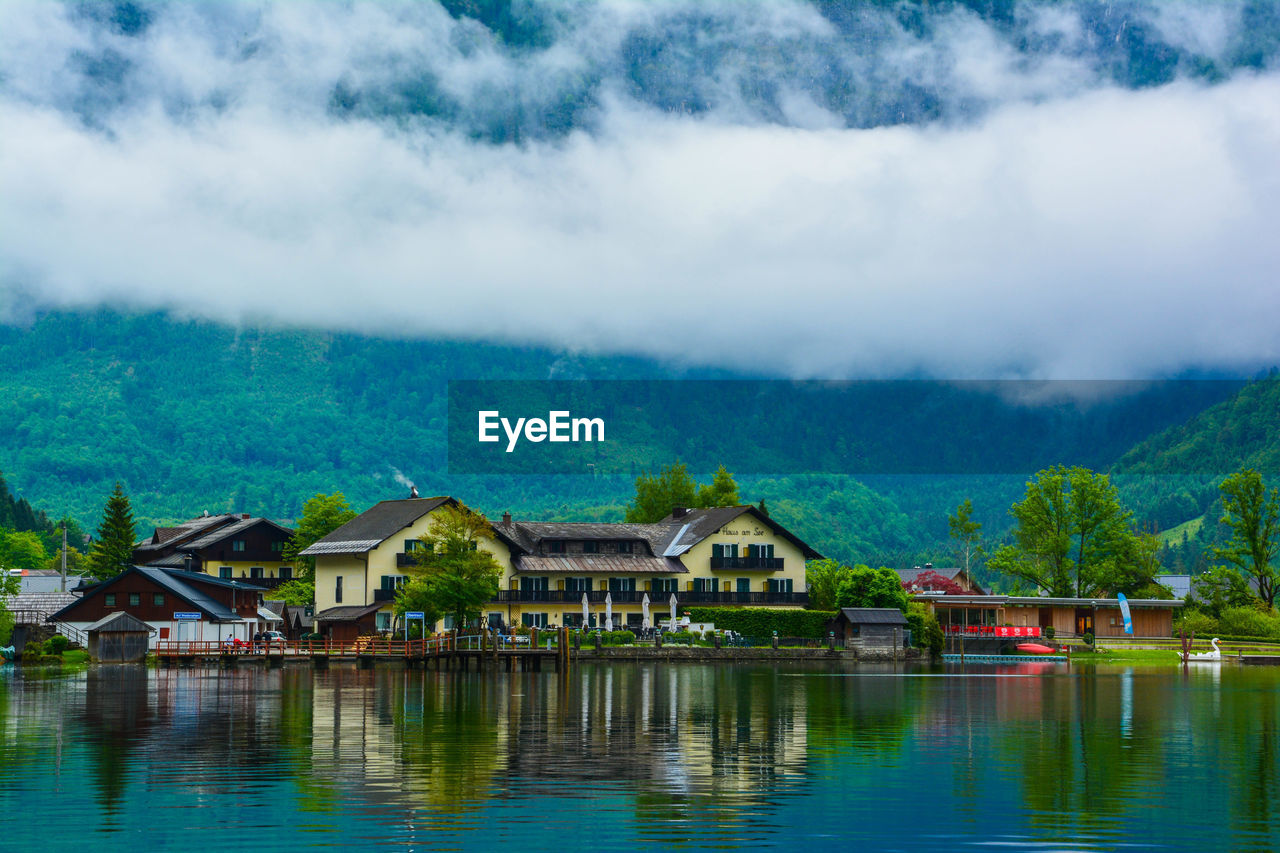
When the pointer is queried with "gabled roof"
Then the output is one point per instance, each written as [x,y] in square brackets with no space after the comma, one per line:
[375,525]
[874,615]
[698,524]
[120,623]
[182,585]
[349,613]
[215,536]
[168,537]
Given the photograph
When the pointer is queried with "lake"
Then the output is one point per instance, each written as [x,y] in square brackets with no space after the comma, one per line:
[629,756]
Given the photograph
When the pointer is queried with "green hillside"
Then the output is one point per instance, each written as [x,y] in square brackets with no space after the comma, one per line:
[195,416]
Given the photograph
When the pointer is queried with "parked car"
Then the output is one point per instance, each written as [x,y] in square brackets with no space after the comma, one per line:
[273,637]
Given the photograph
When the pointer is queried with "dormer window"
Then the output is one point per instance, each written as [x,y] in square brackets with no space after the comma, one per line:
[591,547]
[555,546]
[625,547]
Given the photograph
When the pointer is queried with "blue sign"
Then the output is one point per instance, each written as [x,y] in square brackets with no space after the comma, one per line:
[415,614]
[1124,611]
[186,616]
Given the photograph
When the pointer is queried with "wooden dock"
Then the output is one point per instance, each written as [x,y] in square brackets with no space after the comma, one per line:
[450,651]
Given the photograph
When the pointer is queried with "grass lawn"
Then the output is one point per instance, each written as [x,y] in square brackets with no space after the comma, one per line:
[1153,657]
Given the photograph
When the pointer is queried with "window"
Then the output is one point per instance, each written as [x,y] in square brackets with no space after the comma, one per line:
[337,589]
[764,552]
[706,585]
[255,572]
[744,584]
[665,585]
[135,599]
[591,547]
[224,572]
[411,545]
[624,547]
[577,585]
[723,551]
[780,585]
[390,582]
[277,546]
[534,585]
[110,599]
[555,547]
[534,620]
[382,621]
[237,545]
[158,599]
[622,584]
[286,573]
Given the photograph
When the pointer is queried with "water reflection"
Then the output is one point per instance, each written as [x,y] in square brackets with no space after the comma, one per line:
[654,755]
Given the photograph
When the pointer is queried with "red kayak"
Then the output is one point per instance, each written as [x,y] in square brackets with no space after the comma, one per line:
[1034,649]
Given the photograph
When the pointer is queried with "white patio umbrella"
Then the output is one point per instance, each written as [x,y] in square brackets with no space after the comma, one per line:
[586,613]
[644,611]
[608,611]
[672,600]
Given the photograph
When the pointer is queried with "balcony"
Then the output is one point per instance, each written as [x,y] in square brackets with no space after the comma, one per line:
[657,600]
[406,561]
[768,564]
[380,595]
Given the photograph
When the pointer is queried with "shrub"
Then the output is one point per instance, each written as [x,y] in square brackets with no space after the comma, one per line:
[1196,622]
[1088,639]
[617,638]
[762,622]
[1049,632]
[56,645]
[1249,622]
[682,637]
[926,633]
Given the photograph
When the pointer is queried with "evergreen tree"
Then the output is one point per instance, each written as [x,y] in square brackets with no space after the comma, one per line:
[112,550]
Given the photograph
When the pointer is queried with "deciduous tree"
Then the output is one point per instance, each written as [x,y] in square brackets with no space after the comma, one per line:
[321,515]
[454,576]
[1073,538]
[657,496]
[1253,516]
[966,532]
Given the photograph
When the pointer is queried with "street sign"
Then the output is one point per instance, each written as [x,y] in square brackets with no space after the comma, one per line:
[186,615]
[415,614]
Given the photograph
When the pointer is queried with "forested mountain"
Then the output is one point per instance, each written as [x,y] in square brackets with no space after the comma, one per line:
[194,416]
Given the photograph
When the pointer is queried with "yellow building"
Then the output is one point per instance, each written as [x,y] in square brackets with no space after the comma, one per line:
[725,556]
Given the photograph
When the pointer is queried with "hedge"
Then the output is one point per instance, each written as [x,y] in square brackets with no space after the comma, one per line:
[762,622]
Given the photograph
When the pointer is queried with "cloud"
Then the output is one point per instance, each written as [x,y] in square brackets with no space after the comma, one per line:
[756,186]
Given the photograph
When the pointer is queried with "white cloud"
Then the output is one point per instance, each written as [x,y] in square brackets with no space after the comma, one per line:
[1073,230]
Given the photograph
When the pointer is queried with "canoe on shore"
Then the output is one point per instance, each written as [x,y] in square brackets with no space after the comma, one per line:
[1034,649]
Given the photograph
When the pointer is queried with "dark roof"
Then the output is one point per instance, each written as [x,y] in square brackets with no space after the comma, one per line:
[375,525]
[216,536]
[874,615]
[201,577]
[120,623]
[276,607]
[298,613]
[349,613]
[670,537]
[602,563]
[165,538]
[177,583]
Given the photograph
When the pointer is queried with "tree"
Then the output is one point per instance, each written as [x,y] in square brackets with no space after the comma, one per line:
[321,515]
[9,586]
[1073,538]
[1253,516]
[722,491]
[1220,589]
[21,550]
[295,592]
[822,579]
[657,496]
[863,586]
[966,532]
[931,581]
[112,550]
[454,576]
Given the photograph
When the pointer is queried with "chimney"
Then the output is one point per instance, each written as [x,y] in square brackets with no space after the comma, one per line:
[506,518]
[679,512]
[245,515]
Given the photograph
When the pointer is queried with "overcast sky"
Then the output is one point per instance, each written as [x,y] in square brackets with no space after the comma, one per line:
[1080,191]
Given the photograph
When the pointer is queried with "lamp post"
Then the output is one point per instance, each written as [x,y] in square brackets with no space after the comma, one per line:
[64,555]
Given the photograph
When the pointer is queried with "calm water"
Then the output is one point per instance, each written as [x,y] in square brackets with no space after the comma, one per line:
[641,756]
